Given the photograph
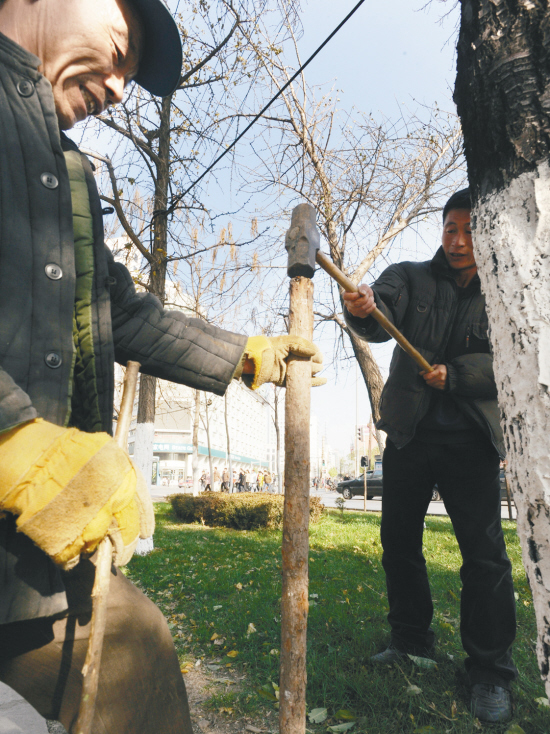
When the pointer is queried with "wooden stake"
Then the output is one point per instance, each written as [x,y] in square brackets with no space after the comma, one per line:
[100,591]
[295,549]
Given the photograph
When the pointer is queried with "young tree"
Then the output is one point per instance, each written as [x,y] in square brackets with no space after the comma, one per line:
[503,101]
[368,180]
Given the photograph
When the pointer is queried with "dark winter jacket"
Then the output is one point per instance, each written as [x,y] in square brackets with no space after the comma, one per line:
[37,305]
[422,300]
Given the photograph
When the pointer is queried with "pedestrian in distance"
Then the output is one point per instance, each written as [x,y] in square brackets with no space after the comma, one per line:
[443,426]
[216,480]
[260,481]
[225,480]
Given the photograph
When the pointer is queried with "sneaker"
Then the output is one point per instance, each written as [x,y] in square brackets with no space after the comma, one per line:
[490,703]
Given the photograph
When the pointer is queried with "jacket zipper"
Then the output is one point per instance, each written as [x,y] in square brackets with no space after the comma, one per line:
[467,337]
[450,322]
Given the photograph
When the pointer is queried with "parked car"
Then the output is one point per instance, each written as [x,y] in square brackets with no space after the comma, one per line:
[355,487]
[351,487]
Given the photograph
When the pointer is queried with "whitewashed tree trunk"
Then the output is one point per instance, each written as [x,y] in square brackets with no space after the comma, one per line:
[195,460]
[512,236]
[502,96]
[143,459]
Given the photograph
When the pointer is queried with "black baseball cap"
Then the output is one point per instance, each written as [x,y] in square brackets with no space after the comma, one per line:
[161,59]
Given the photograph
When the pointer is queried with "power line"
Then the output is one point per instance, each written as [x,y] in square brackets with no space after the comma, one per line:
[267,106]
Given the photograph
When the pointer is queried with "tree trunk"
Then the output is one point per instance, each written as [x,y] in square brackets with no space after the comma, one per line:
[373,380]
[206,403]
[503,101]
[145,428]
[295,545]
[278,450]
[230,463]
[195,461]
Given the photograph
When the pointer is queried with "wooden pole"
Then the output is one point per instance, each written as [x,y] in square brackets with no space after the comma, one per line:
[100,591]
[295,549]
[350,287]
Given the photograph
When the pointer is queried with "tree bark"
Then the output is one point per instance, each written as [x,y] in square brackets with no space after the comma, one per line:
[295,547]
[373,380]
[503,97]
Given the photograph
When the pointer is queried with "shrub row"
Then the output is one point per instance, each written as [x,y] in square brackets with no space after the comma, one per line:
[243,511]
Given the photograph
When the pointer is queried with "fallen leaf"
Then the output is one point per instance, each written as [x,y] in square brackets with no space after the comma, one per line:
[274,651]
[213,667]
[232,653]
[239,586]
[317,716]
[345,714]
[542,701]
[424,730]
[214,637]
[253,729]
[426,663]
[514,729]
[218,606]
[251,629]
[266,691]
[413,690]
[342,727]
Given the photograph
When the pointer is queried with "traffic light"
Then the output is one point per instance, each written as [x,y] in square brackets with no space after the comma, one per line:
[359,433]
[364,461]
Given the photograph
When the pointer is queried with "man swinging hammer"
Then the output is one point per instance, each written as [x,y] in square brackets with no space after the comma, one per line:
[67,312]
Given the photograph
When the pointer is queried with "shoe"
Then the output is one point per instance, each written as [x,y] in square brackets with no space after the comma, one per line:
[393,655]
[389,656]
[491,704]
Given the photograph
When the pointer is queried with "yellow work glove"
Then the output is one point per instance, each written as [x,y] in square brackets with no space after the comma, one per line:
[269,355]
[69,489]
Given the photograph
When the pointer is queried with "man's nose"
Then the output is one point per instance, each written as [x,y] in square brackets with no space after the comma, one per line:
[462,238]
[114,85]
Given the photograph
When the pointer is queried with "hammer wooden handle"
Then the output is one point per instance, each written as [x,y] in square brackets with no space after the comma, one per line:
[350,287]
[104,561]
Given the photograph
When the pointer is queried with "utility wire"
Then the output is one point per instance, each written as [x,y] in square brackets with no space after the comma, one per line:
[257,117]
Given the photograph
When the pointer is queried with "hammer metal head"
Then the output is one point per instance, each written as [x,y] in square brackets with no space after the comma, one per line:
[302,242]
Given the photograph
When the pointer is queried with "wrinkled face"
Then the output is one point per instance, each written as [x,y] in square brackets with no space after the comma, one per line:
[457,240]
[90,50]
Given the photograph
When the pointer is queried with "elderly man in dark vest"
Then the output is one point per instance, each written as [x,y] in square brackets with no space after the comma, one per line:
[67,312]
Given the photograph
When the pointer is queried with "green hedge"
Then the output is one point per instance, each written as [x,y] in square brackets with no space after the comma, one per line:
[242,511]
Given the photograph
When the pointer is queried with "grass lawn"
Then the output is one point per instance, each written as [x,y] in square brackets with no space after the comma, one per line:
[220,591]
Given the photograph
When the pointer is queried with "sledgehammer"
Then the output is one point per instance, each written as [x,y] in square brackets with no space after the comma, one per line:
[303,252]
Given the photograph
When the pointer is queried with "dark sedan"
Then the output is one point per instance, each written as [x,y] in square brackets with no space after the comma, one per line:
[352,487]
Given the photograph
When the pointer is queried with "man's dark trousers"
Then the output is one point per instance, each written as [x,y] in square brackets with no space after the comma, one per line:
[467,475]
